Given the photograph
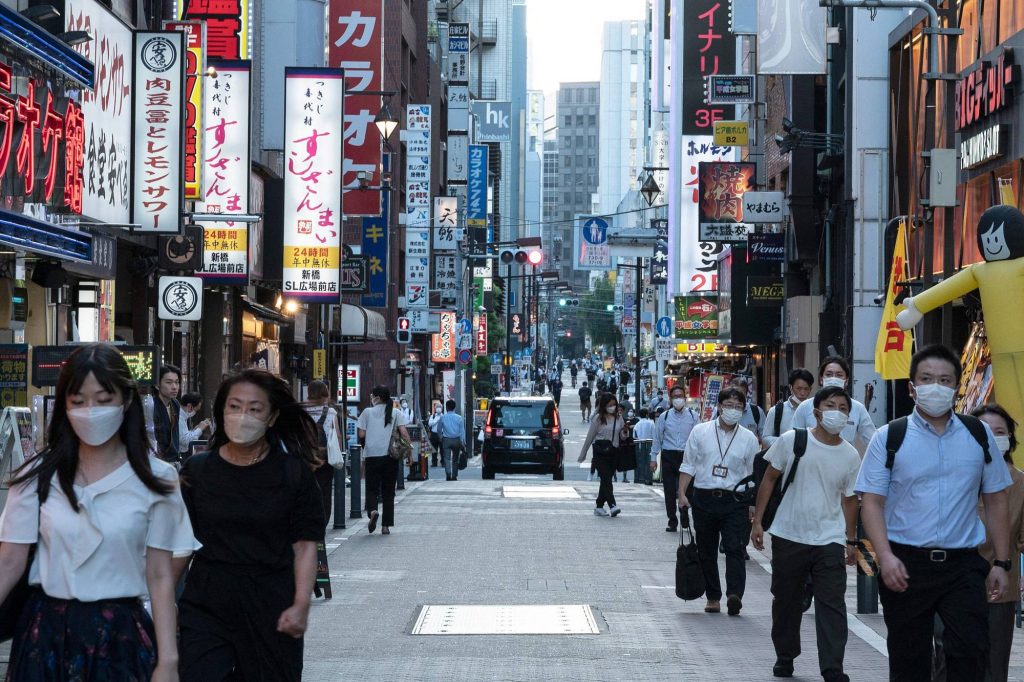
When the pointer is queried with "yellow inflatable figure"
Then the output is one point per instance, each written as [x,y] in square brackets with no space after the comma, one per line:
[1000,281]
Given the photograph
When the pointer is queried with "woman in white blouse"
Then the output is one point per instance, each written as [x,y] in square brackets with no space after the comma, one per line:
[108,517]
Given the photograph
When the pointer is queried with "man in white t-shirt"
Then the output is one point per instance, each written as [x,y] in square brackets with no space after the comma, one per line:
[835,371]
[813,532]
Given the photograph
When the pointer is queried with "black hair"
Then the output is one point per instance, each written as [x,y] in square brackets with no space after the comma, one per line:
[678,387]
[168,368]
[834,360]
[294,431]
[798,374]
[60,456]
[449,405]
[935,352]
[1011,423]
[602,405]
[383,394]
[644,413]
[191,399]
[740,383]
[731,392]
[317,390]
[832,392]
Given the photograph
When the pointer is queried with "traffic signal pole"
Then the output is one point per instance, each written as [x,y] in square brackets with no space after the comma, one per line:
[508,328]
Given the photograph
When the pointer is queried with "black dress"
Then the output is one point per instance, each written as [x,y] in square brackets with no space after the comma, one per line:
[243,578]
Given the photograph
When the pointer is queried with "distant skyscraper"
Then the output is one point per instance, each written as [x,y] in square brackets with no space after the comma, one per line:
[622,113]
[578,129]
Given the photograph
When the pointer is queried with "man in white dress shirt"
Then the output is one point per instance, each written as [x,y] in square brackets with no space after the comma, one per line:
[671,431]
[780,417]
[835,371]
[718,455]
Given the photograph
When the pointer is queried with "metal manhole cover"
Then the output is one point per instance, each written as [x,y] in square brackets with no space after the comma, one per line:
[545,492]
[565,619]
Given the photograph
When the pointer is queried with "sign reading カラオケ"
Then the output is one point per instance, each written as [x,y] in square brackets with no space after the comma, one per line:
[357,47]
[107,109]
[159,114]
[312,191]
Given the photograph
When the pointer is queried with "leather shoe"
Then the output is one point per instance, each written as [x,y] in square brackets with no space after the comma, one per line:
[781,669]
[734,604]
[713,607]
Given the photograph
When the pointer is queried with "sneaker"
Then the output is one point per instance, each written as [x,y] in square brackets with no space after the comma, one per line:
[600,511]
[734,604]
[782,669]
[615,511]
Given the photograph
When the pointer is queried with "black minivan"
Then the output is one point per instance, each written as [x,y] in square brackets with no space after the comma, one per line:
[523,435]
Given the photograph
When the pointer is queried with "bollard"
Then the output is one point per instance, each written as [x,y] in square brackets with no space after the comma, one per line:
[643,472]
[339,497]
[357,482]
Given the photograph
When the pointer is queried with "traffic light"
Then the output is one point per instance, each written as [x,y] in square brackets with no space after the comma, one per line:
[533,257]
[570,302]
[568,333]
[404,332]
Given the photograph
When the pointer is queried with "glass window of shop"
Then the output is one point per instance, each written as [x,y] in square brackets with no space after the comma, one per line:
[261,342]
[93,311]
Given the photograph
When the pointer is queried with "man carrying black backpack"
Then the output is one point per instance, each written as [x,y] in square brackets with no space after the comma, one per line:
[813,523]
[920,482]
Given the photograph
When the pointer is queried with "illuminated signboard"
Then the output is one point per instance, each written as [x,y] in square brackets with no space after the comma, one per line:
[47,362]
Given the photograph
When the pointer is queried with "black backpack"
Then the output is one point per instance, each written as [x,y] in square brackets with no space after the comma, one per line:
[898,431]
[744,492]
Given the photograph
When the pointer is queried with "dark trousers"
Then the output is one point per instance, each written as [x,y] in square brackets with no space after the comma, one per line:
[325,479]
[792,564]
[725,519]
[605,465]
[670,461]
[955,590]
[381,478]
[1001,623]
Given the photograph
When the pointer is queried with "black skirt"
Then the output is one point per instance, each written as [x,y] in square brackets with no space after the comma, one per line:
[65,639]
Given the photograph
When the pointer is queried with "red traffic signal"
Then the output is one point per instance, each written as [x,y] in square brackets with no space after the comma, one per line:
[535,257]
[403,334]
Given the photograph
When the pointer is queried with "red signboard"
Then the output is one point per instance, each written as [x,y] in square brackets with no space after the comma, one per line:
[357,46]
[720,211]
[195,46]
[985,90]
[481,334]
[227,25]
[709,49]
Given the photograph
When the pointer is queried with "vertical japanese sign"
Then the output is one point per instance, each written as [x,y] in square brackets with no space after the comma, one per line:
[348,385]
[696,261]
[446,211]
[417,255]
[357,46]
[158,114]
[476,199]
[708,49]
[14,375]
[442,344]
[195,54]
[312,191]
[720,211]
[227,25]
[446,278]
[225,256]
[659,263]
[481,334]
[458,76]
[107,109]
[417,165]
[375,248]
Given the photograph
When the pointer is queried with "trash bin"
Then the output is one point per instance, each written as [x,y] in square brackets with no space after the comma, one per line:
[643,473]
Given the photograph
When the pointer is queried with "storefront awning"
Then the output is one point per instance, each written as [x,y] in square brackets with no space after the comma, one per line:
[265,313]
[359,323]
[35,42]
[35,236]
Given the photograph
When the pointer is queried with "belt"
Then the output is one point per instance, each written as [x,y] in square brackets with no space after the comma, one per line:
[935,554]
[714,492]
[666,451]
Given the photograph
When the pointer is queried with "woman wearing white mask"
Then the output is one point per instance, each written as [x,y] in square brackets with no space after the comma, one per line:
[606,429]
[835,371]
[256,508]
[1002,611]
[106,517]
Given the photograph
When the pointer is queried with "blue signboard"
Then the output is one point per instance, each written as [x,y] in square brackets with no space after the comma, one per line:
[664,326]
[375,251]
[476,198]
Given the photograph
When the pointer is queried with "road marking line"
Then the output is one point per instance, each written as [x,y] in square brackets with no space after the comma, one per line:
[864,632]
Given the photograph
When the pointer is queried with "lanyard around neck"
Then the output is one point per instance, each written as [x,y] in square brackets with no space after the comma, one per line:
[727,447]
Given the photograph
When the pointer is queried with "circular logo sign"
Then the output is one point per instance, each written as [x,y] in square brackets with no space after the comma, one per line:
[179,250]
[159,54]
[595,231]
[180,298]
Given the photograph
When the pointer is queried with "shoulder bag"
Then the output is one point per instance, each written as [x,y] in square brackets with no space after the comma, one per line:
[398,447]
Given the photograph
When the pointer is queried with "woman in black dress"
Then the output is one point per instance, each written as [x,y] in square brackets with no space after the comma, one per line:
[255,508]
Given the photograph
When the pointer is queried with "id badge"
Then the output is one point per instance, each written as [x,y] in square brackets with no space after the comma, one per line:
[720,471]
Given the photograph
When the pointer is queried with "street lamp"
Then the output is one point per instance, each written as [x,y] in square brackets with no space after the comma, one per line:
[650,190]
[385,121]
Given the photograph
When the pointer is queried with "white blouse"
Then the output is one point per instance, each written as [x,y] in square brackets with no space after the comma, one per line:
[99,552]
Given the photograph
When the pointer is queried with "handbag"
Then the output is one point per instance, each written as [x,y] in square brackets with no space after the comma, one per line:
[463,459]
[398,447]
[690,582]
[12,607]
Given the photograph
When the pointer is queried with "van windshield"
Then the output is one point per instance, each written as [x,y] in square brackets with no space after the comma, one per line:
[522,416]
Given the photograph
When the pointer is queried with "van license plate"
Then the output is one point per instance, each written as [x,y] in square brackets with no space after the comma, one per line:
[521,444]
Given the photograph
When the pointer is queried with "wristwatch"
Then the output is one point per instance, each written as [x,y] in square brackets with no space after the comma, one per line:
[1005,564]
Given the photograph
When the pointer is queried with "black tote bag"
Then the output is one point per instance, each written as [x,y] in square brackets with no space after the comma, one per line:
[690,582]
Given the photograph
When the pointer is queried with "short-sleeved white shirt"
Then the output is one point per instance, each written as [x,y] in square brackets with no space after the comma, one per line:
[378,436]
[99,552]
[812,510]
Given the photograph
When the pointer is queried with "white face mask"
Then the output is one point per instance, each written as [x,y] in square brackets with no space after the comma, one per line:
[243,429]
[833,381]
[731,416]
[629,415]
[678,403]
[96,425]
[1004,443]
[611,409]
[935,400]
[833,421]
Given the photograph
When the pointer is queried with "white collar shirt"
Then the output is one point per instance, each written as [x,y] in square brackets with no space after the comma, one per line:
[859,428]
[644,430]
[100,552]
[709,446]
[672,429]
[768,435]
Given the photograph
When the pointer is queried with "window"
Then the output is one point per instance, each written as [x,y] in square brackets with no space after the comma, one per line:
[592,119]
[567,121]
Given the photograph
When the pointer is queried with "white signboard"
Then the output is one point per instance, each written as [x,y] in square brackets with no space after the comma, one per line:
[312,190]
[458,156]
[791,37]
[107,110]
[665,349]
[695,263]
[417,295]
[181,298]
[417,242]
[417,270]
[763,207]
[445,215]
[445,277]
[423,321]
[590,242]
[417,162]
[157,191]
